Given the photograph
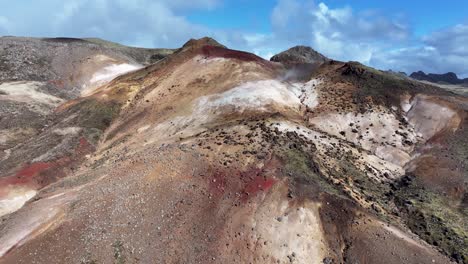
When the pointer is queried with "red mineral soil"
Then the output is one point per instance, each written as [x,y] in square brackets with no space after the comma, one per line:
[220,52]
[212,156]
[16,189]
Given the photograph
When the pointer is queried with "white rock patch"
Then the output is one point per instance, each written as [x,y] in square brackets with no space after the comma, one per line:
[143,128]
[107,74]
[204,60]
[112,71]
[67,131]
[279,225]
[405,104]
[428,117]
[255,96]
[28,92]
[400,234]
[252,95]
[306,92]
[15,199]
[33,222]
[280,230]
[378,132]
[3,137]
[323,143]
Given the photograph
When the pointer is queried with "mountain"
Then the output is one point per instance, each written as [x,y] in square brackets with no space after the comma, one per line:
[211,155]
[38,74]
[446,78]
[66,62]
[300,61]
[396,73]
[299,54]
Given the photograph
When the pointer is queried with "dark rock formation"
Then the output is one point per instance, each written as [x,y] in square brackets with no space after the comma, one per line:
[446,78]
[299,54]
[300,61]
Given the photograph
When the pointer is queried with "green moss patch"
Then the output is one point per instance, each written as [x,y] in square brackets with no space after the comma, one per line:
[434,219]
[301,166]
[384,88]
[92,113]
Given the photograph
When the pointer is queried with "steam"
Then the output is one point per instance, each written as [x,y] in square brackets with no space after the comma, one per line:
[300,72]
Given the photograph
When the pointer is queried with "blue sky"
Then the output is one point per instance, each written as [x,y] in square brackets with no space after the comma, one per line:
[426,16]
[399,35]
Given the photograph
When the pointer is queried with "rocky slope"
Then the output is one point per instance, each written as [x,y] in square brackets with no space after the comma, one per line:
[38,75]
[68,63]
[217,156]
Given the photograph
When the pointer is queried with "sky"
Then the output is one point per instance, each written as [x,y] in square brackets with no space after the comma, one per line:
[401,35]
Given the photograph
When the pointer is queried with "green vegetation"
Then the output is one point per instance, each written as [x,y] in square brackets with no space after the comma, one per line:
[434,219]
[301,166]
[371,190]
[88,259]
[458,147]
[384,88]
[431,216]
[118,252]
[92,113]
[93,135]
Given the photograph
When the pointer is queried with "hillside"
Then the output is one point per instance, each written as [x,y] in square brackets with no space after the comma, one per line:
[39,74]
[214,155]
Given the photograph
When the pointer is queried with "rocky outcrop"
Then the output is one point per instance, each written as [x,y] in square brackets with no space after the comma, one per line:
[300,62]
[197,43]
[299,54]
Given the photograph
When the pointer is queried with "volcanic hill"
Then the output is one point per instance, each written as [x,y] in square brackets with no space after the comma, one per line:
[210,155]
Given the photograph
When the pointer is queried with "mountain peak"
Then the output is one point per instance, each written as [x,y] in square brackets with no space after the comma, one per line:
[299,54]
[194,43]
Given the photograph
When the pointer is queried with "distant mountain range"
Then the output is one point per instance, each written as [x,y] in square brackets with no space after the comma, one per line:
[303,59]
[446,78]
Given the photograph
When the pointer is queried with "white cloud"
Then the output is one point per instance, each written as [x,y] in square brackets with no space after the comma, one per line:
[439,52]
[338,33]
[380,40]
[283,12]
[450,41]
[140,22]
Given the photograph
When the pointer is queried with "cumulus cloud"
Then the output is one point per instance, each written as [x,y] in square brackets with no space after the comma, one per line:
[380,40]
[139,22]
[338,33]
[439,52]
[450,41]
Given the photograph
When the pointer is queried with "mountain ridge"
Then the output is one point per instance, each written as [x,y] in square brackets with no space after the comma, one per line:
[216,155]
[445,78]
